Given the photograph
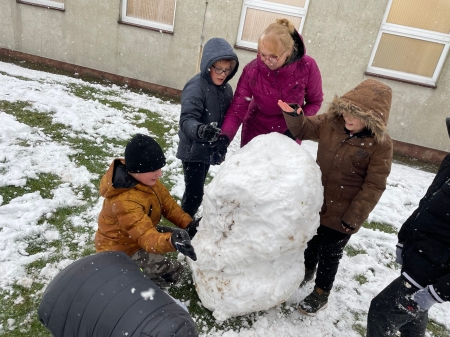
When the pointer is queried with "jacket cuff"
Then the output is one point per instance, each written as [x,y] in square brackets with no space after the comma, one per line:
[434,294]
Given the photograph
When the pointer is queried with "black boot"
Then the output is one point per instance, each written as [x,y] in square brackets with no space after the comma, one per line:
[309,276]
[314,302]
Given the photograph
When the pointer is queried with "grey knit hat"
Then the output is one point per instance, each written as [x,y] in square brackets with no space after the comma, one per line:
[143,154]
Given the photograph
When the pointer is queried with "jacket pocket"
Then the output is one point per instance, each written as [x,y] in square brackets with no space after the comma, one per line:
[360,159]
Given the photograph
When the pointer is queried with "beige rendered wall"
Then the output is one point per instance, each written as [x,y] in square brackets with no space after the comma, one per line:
[339,34]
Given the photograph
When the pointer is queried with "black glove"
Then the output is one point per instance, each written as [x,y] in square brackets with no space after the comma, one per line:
[192,227]
[180,241]
[208,132]
[294,113]
[347,227]
[219,157]
[220,145]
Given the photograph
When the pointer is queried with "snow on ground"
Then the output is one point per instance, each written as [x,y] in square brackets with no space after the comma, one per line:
[26,152]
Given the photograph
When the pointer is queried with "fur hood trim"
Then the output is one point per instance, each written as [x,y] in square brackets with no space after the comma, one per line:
[370,101]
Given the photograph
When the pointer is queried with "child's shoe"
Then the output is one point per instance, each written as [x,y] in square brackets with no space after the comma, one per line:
[314,302]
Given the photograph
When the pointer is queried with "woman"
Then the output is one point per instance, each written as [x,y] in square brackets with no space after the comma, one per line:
[281,70]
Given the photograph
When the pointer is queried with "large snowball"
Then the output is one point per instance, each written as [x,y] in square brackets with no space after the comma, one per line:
[259,212]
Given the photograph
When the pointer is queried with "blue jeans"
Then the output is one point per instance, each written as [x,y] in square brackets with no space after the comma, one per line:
[393,309]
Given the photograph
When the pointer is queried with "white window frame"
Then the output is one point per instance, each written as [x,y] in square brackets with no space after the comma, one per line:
[145,23]
[44,3]
[415,33]
[269,7]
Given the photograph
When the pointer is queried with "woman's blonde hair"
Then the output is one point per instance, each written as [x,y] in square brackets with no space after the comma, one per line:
[277,37]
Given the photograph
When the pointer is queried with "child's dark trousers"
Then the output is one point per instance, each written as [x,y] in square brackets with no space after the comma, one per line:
[394,310]
[194,180]
[325,250]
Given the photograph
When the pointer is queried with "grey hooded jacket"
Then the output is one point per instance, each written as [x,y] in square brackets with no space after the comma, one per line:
[203,102]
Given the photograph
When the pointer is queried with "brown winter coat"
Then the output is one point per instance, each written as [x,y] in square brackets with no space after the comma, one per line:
[354,170]
[128,219]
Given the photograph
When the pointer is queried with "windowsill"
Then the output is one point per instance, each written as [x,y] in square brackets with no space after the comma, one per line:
[146,27]
[400,80]
[244,48]
[40,5]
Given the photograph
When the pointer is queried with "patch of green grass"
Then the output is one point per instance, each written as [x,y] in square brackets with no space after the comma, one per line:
[382,227]
[360,278]
[21,306]
[44,184]
[437,330]
[18,77]
[155,123]
[13,107]
[353,251]
[358,327]
[42,121]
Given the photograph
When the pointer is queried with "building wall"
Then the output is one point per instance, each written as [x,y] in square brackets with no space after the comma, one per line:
[339,34]
[342,41]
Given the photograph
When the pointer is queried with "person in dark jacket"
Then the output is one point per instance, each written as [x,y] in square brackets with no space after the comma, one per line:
[423,250]
[354,156]
[204,101]
[106,295]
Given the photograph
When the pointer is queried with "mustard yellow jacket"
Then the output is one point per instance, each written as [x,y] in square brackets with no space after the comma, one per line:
[131,211]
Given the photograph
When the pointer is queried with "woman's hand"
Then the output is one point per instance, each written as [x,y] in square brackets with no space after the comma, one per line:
[290,109]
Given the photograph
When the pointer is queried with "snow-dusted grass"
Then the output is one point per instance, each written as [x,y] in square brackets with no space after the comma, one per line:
[58,135]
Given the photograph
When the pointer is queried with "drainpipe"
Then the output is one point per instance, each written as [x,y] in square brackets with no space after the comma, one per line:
[202,37]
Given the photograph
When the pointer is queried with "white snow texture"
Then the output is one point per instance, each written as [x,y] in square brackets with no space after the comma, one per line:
[259,212]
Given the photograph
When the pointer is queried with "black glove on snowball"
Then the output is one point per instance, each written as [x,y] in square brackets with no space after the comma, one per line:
[181,242]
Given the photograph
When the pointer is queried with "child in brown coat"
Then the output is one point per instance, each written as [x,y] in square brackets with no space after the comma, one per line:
[355,156]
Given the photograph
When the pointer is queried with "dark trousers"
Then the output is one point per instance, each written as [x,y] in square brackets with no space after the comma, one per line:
[395,310]
[325,250]
[161,269]
[194,180]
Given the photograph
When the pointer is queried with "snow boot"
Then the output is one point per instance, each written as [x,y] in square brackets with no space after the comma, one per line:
[314,302]
[309,275]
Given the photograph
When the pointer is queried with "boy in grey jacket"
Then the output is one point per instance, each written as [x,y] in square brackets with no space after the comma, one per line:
[204,102]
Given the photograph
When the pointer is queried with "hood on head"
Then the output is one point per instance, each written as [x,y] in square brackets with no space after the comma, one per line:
[371,101]
[299,46]
[214,50]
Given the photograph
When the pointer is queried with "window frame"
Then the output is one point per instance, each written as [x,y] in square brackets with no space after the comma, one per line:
[153,25]
[269,7]
[414,33]
[44,3]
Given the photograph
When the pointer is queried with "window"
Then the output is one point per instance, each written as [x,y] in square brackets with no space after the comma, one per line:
[54,4]
[153,14]
[413,41]
[258,14]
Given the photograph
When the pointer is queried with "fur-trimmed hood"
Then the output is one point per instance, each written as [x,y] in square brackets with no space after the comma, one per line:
[370,101]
